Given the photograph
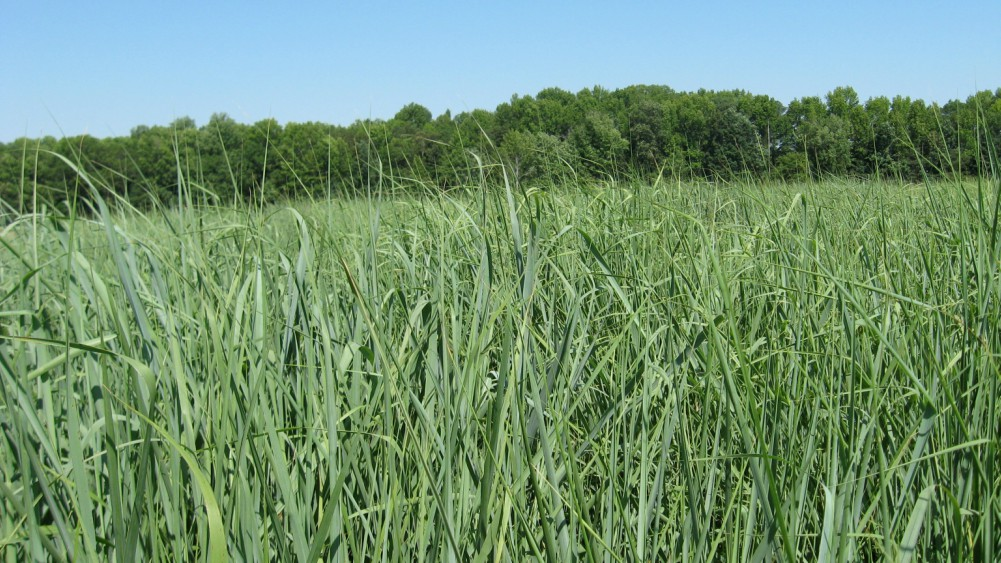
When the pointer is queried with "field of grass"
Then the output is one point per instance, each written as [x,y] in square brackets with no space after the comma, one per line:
[601,373]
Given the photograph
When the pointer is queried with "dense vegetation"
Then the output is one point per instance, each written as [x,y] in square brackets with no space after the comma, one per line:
[583,351]
[660,371]
[639,132]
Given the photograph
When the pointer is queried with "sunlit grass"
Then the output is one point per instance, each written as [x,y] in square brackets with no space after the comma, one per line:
[601,373]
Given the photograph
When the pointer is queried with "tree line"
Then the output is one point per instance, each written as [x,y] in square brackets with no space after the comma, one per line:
[637,132]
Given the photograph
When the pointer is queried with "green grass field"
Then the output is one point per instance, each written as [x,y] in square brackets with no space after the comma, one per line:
[597,373]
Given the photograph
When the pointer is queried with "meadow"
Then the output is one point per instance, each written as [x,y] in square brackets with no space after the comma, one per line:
[596,372]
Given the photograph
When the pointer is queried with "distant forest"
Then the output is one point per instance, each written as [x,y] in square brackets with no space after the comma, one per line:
[634,133]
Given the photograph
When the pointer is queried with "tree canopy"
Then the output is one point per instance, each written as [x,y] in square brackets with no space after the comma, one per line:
[639,131]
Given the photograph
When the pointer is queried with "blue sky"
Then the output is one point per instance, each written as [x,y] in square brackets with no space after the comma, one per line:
[104,67]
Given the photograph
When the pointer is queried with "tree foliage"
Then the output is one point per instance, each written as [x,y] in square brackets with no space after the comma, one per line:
[637,132]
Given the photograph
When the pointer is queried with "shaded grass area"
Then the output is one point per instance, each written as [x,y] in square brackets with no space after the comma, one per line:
[671,372]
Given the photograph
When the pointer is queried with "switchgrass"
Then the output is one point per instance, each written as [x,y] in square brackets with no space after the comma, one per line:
[603,373]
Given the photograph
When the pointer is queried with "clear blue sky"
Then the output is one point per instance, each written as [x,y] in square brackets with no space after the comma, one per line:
[104,67]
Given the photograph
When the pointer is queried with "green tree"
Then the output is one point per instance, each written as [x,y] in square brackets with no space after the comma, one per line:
[930,142]
[520,114]
[843,104]
[534,156]
[598,144]
[647,137]
[820,137]
[413,116]
[733,146]
[222,143]
[266,175]
[692,116]
[13,168]
[765,114]
[153,153]
[556,108]
[878,139]
[304,153]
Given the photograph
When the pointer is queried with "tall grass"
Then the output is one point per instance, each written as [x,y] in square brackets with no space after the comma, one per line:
[670,372]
